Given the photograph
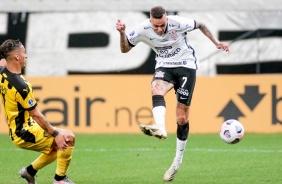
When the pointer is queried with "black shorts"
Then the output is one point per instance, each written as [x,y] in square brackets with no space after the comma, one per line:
[183,80]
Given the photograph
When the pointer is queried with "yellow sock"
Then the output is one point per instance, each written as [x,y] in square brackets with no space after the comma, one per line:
[63,161]
[44,159]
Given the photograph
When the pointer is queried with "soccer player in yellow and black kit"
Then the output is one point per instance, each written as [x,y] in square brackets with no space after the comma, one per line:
[28,127]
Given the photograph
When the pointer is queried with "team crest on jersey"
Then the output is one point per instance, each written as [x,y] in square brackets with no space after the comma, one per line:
[30,102]
[159,74]
[173,35]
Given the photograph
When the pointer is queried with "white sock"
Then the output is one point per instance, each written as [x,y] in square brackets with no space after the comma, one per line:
[180,148]
[159,116]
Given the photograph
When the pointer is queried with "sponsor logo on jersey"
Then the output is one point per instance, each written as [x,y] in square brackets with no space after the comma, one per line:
[163,51]
[159,74]
[182,91]
[172,63]
[163,48]
[147,27]
[26,90]
[170,54]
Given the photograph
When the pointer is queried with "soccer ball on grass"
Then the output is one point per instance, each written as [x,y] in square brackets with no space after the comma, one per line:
[232,131]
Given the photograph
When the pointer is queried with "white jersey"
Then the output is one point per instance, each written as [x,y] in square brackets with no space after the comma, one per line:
[172,48]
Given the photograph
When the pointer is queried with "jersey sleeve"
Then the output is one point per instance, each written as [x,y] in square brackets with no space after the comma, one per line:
[187,25]
[135,36]
[26,98]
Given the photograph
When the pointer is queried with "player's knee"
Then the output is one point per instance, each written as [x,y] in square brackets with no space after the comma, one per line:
[71,137]
[182,131]
[157,89]
[181,120]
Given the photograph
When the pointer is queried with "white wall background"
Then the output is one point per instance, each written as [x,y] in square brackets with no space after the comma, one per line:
[137,5]
[51,21]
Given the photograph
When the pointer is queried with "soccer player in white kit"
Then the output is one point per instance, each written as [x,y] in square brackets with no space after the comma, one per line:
[176,65]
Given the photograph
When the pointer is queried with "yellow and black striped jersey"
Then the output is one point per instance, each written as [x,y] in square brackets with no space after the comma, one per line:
[17,98]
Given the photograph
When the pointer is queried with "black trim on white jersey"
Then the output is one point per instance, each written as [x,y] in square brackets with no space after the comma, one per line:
[190,47]
[166,28]
[130,43]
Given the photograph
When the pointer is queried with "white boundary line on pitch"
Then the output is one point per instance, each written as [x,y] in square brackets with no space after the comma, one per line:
[160,149]
[187,150]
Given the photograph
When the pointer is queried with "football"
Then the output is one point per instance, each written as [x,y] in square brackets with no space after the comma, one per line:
[232,131]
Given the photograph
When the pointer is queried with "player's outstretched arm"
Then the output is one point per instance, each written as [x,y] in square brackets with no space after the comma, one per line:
[206,31]
[124,45]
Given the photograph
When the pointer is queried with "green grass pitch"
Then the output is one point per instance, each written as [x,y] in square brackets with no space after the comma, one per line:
[139,159]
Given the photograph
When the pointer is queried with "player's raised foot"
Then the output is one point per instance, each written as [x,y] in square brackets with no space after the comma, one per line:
[171,172]
[24,174]
[152,130]
[66,180]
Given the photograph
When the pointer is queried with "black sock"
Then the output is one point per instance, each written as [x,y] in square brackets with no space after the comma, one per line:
[31,170]
[59,178]
[183,131]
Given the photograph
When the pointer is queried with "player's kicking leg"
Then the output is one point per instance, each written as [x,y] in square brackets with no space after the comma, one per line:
[159,109]
[152,130]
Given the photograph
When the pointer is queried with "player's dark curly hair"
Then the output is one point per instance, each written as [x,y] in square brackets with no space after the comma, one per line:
[157,12]
[8,46]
